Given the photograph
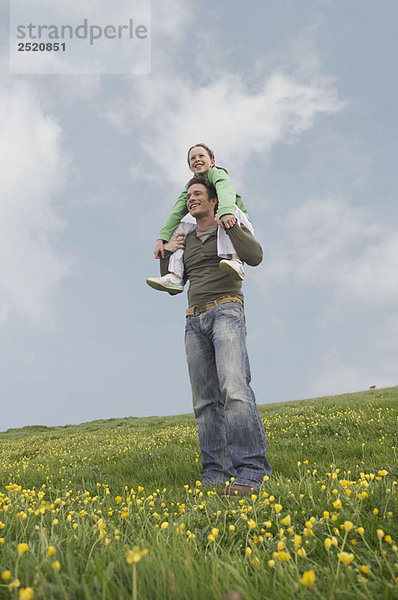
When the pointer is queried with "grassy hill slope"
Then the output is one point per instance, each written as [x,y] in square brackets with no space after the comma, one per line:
[95,491]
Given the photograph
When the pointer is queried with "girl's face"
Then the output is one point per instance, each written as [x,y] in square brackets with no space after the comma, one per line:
[200,162]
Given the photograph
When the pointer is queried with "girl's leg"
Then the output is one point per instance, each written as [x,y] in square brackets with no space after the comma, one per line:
[225,248]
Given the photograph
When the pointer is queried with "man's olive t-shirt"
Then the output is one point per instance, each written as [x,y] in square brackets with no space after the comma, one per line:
[206,280]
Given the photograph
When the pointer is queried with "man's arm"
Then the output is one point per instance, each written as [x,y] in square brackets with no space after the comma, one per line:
[246,245]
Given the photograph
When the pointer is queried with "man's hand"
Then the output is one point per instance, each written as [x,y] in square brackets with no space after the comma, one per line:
[159,249]
[227,221]
[176,242]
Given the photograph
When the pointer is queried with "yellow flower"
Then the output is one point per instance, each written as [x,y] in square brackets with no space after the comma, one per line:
[211,537]
[308,578]
[346,557]
[232,527]
[22,548]
[248,551]
[215,531]
[328,543]
[380,534]
[6,575]
[286,521]
[55,522]
[271,563]
[337,503]
[360,530]
[14,585]
[164,525]
[297,541]
[26,593]
[301,552]
[326,514]
[388,539]
[365,569]
[56,565]
[348,525]
[51,551]
[277,508]
[135,555]
[252,524]
[140,489]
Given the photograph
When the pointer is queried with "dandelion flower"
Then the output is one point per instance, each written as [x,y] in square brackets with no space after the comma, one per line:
[14,585]
[380,534]
[348,525]
[51,551]
[6,575]
[346,557]
[56,566]
[26,593]
[286,521]
[365,569]
[22,548]
[135,555]
[308,578]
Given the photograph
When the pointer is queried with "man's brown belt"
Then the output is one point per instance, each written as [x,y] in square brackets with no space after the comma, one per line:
[197,310]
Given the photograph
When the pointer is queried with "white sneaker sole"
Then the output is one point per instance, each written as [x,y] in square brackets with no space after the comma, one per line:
[156,285]
[226,267]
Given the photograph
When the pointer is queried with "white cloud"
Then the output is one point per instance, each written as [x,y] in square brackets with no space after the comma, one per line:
[330,244]
[33,171]
[228,116]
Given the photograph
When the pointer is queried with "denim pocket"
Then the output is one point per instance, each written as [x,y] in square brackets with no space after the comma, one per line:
[232,311]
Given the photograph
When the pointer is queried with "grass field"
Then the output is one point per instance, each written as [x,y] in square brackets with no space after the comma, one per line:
[114,509]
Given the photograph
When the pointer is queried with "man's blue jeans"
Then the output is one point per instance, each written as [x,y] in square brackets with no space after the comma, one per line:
[231,434]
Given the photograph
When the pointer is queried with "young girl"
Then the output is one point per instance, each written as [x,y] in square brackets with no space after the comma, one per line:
[231,209]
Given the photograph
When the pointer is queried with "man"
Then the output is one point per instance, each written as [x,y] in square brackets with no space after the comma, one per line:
[231,434]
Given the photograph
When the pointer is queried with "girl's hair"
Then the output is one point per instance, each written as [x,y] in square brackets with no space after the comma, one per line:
[209,152]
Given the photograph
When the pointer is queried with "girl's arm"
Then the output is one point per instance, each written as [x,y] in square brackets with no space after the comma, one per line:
[225,191]
[178,211]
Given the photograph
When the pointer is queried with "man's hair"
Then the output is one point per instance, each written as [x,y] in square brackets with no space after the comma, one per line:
[211,190]
[208,150]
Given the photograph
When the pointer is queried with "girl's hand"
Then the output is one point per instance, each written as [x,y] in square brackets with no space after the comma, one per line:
[176,242]
[159,249]
[227,221]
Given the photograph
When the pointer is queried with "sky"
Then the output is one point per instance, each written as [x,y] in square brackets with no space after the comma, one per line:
[298,100]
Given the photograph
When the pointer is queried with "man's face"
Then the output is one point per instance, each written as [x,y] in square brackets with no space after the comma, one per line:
[198,202]
[199,161]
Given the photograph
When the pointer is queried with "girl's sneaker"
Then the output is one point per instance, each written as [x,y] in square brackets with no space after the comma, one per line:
[233,267]
[168,283]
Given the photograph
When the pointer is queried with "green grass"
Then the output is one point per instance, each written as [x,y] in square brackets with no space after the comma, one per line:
[97,490]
